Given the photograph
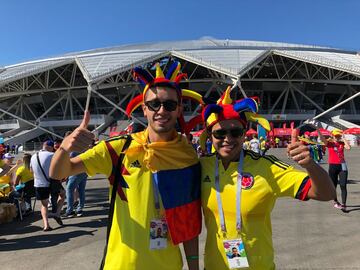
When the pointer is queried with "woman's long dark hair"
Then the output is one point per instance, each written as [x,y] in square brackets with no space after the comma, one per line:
[26,160]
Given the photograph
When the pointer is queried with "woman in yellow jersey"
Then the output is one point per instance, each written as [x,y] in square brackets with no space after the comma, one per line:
[240,187]
[25,176]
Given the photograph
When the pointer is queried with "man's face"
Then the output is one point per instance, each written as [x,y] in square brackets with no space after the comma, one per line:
[228,146]
[161,108]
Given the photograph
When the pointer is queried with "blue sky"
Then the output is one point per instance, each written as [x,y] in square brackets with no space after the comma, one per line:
[42,28]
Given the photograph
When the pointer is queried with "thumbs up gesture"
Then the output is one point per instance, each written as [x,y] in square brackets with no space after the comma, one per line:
[81,138]
[299,152]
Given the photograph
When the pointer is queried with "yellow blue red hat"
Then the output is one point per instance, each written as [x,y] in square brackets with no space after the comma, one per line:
[172,80]
[244,110]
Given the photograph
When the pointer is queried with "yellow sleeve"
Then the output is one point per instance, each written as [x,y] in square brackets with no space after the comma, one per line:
[286,180]
[1,163]
[98,160]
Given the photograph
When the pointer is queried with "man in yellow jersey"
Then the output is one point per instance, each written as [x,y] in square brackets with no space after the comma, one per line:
[160,181]
[239,188]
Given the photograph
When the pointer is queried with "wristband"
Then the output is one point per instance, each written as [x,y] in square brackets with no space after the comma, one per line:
[192,257]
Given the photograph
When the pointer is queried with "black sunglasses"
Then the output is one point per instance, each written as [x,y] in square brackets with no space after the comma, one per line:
[155,105]
[220,134]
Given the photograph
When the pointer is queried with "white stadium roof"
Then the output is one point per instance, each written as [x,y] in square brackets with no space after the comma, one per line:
[295,82]
[230,57]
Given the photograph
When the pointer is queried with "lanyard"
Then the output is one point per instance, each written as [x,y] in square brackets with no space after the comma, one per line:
[238,194]
[156,192]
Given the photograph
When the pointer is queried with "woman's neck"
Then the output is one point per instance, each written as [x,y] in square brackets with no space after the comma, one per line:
[226,162]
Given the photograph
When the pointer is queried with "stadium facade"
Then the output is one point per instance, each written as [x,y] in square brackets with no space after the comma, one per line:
[294,83]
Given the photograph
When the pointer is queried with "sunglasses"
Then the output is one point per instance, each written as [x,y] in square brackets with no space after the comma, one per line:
[155,105]
[220,134]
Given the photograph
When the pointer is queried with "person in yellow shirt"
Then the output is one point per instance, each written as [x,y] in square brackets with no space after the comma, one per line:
[26,178]
[159,187]
[239,188]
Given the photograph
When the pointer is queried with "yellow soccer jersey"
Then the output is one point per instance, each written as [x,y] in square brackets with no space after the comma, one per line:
[266,179]
[25,174]
[129,239]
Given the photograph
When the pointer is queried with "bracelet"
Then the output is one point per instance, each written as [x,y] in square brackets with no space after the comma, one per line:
[192,257]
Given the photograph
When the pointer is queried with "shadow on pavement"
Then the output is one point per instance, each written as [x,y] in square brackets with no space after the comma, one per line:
[22,227]
[96,223]
[95,198]
[40,241]
[353,181]
[354,209]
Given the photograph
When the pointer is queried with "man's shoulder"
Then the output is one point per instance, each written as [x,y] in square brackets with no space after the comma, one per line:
[109,145]
[118,139]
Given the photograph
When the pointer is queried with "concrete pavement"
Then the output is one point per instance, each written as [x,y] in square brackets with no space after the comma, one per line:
[306,235]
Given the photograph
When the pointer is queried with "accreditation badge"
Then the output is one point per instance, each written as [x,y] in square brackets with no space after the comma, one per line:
[158,234]
[235,253]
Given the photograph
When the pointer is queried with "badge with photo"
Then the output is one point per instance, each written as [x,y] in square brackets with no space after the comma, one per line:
[158,234]
[235,253]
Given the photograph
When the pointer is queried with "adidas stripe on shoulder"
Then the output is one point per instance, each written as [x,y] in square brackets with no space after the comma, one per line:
[252,154]
[120,137]
[277,162]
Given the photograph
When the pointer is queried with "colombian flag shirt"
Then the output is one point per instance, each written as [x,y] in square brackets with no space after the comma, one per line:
[177,169]
[264,180]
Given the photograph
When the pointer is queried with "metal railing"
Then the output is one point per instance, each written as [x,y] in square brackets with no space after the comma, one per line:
[291,111]
[76,117]
[32,146]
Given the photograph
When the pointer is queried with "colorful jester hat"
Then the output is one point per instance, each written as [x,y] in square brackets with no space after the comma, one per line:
[244,110]
[172,80]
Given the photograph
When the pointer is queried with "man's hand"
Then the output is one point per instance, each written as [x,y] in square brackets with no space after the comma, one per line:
[299,152]
[81,138]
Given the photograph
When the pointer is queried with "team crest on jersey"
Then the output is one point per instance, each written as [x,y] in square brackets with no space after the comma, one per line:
[247,181]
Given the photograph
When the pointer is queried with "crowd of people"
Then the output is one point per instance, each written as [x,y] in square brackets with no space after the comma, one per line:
[160,185]
[28,178]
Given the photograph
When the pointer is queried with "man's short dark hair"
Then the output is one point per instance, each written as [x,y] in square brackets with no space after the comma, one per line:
[168,85]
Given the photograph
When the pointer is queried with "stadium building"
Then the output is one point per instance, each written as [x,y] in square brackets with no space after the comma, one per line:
[294,82]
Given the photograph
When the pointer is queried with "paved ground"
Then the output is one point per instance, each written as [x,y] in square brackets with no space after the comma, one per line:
[307,235]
